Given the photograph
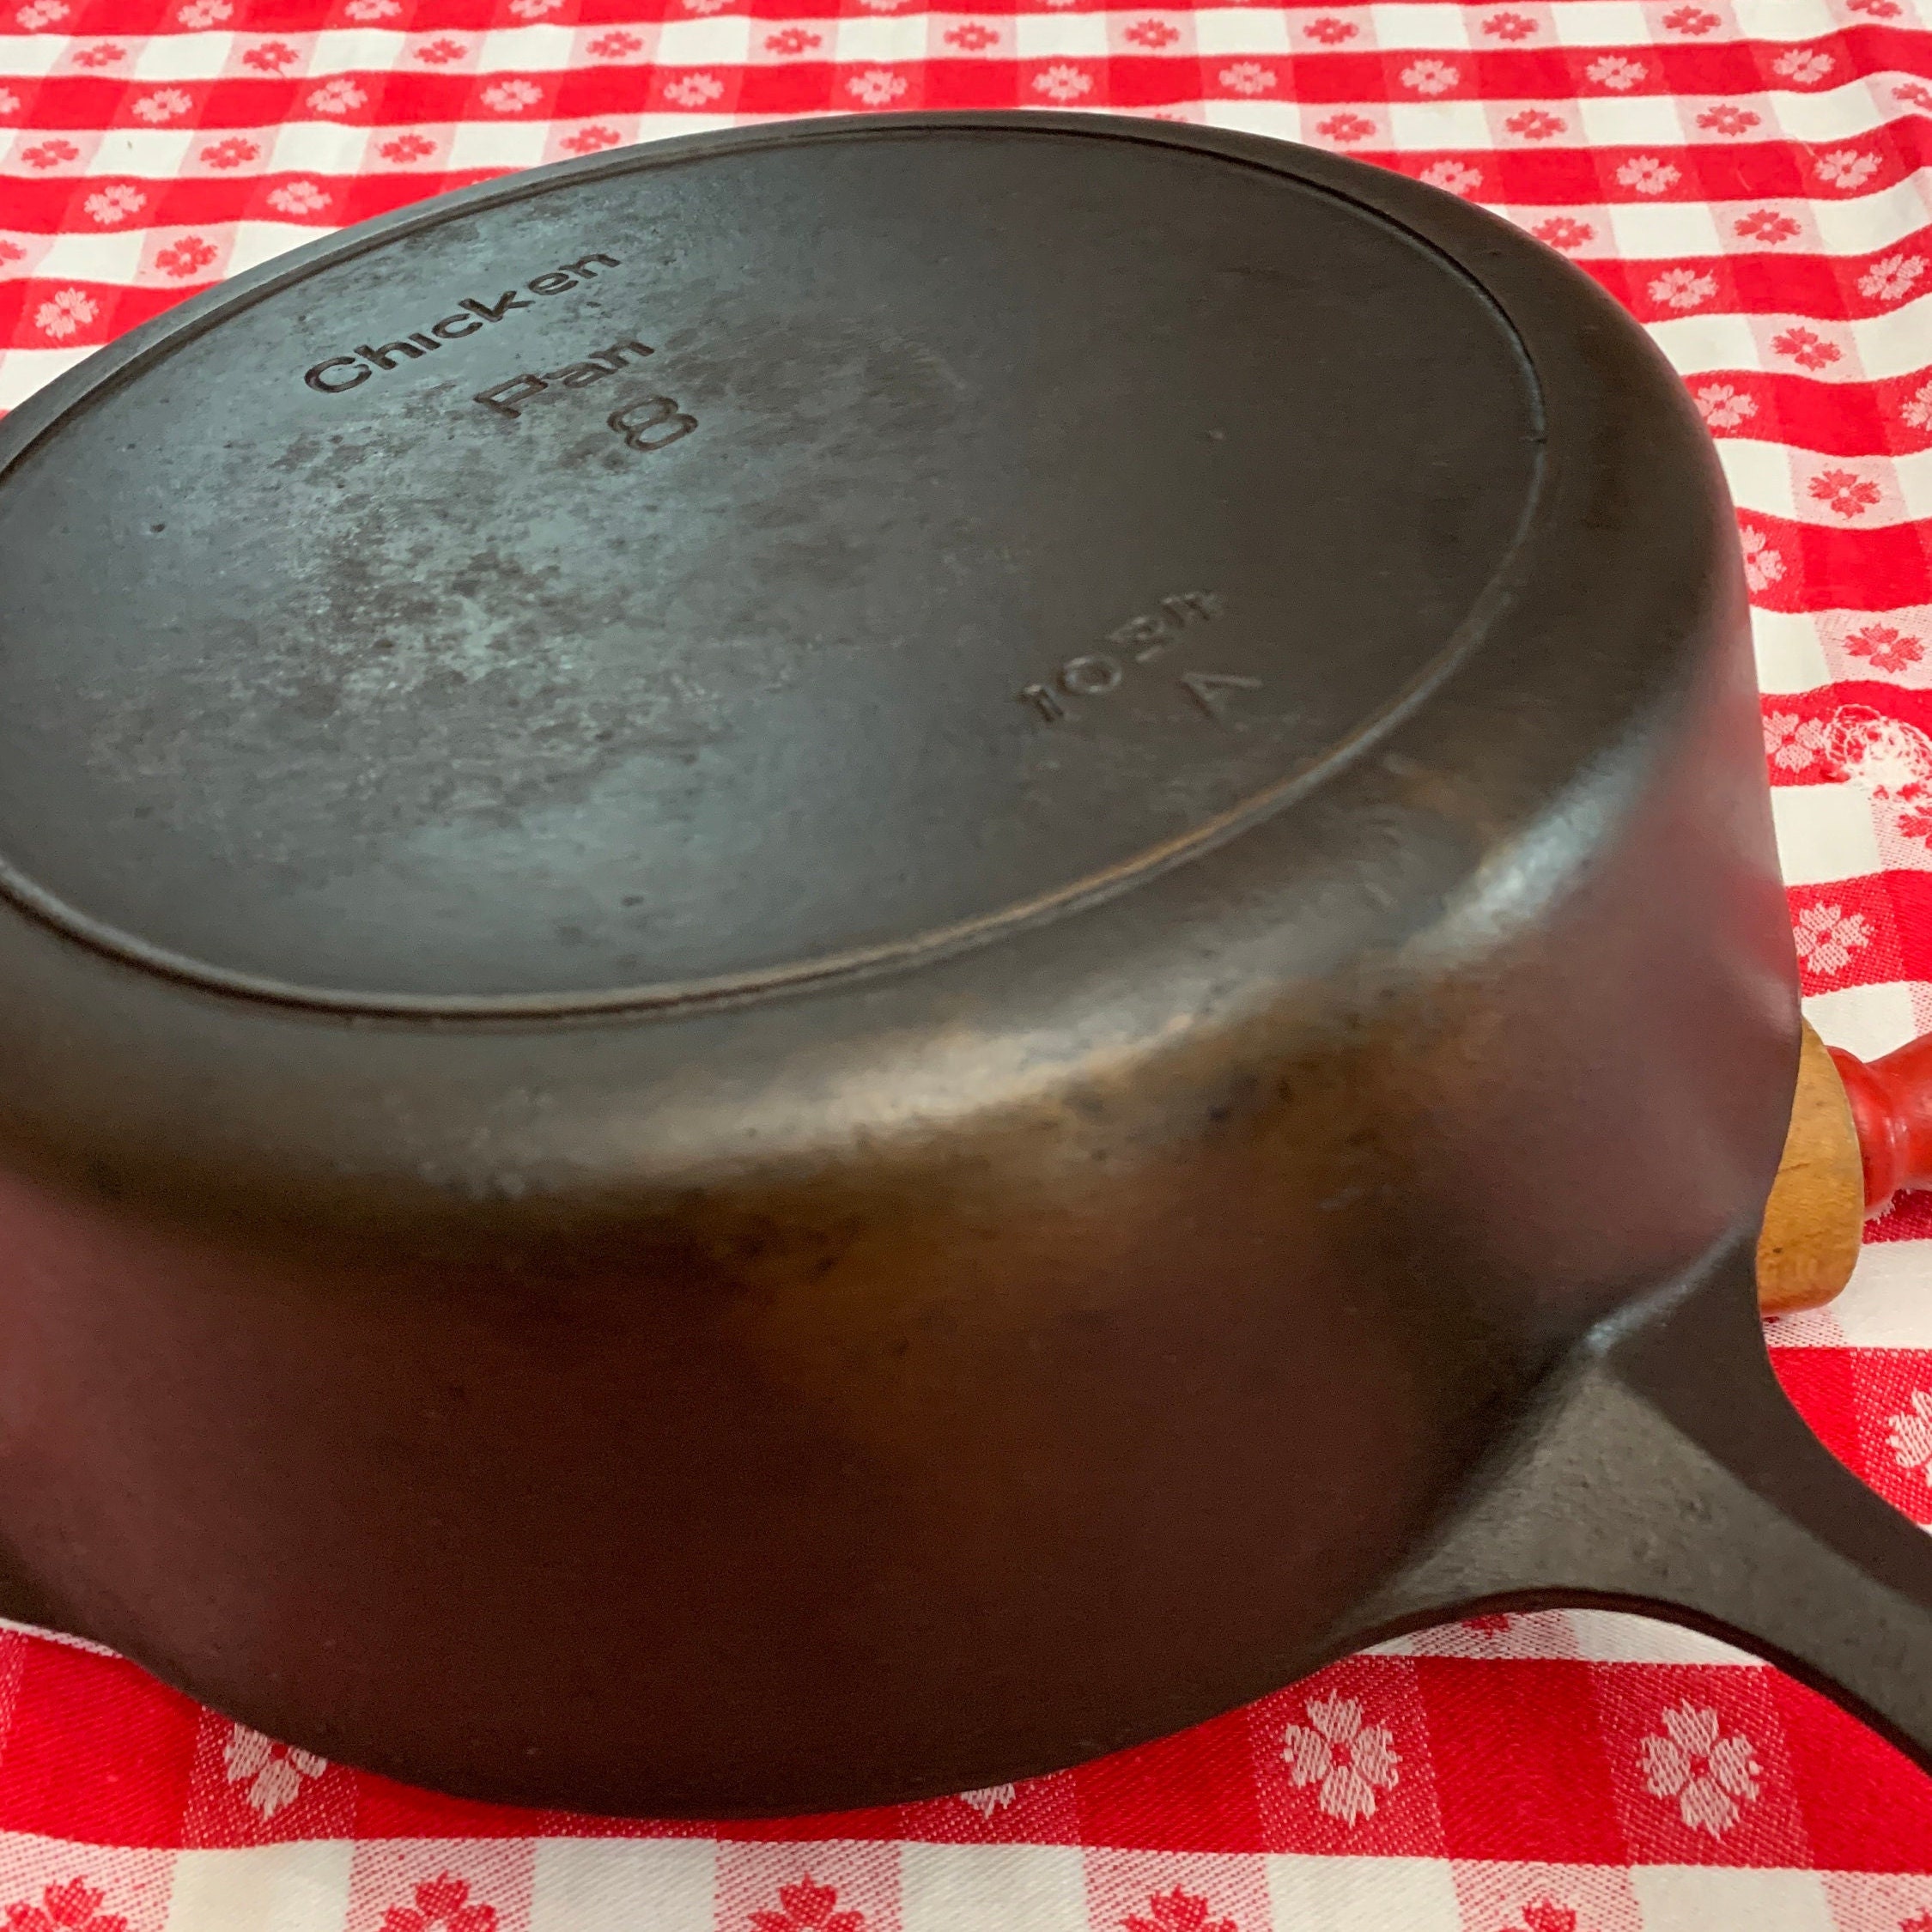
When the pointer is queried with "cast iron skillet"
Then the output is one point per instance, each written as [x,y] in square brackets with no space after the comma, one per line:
[839,960]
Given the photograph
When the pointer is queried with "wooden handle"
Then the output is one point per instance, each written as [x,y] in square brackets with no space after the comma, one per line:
[1859,1132]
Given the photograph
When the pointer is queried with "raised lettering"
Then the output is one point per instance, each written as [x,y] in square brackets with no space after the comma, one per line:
[1090,675]
[506,397]
[1192,604]
[654,412]
[1208,689]
[1146,637]
[314,378]
[495,312]
[384,357]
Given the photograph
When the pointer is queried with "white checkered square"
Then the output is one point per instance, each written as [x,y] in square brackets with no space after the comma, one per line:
[722,39]
[621,1885]
[1080,36]
[1824,832]
[271,1888]
[498,144]
[1223,31]
[1600,23]
[180,56]
[1702,1898]
[992,1888]
[1405,23]
[1423,127]
[1312,1894]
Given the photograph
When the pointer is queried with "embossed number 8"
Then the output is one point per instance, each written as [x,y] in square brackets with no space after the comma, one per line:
[634,420]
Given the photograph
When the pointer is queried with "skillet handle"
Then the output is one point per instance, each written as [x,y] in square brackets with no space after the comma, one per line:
[1663,1470]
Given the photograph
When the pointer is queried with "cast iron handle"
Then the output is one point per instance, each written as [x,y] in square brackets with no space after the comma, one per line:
[1661,1469]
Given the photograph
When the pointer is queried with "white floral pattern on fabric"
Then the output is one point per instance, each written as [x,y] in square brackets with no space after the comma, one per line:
[270,1775]
[1615,71]
[1827,936]
[1455,176]
[513,97]
[1349,1763]
[1430,76]
[1247,76]
[298,198]
[1847,168]
[114,204]
[1649,175]
[1803,66]
[1683,288]
[1723,407]
[875,87]
[1711,1775]
[1891,279]
[338,96]
[989,1799]
[65,313]
[1910,1436]
[1763,562]
[1063,83]
[166,104]
[1792,743]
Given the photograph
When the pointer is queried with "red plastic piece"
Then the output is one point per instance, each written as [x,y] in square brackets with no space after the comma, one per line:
[1892,1109]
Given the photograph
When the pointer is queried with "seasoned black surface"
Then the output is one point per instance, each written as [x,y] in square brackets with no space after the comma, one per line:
[440,680]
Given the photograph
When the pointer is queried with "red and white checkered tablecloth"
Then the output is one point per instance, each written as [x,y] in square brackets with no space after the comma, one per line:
[1753,179]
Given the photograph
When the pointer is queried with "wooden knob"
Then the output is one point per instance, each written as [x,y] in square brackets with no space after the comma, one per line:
[1859,1132]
